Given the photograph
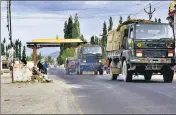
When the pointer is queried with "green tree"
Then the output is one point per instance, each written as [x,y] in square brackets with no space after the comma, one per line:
[156,20]
[96,40]
[4,41]
[65,30]
[62,47]
[104,35]
[159,20]
[76,28]
[92,40]
[120,21]
[2,49]
[4,45]
[129,17]
[68,52]
[29,58]
[110,24]
[19,53]
[6,50]
[49,59]
[69,27]
[16,49]
[39,57]
[24,53]
[69,32]
[99,42]
[82,38]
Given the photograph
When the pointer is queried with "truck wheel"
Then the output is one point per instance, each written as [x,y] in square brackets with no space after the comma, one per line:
[77,72]
[148,76]
[168,75]
[127,75]
[81,72]
[101,72]
[95,72]
[67,72]
[113,76]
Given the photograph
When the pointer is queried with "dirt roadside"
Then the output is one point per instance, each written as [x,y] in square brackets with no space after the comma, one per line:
[35,98]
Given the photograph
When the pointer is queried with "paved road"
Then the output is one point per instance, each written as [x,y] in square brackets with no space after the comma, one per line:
[98,95]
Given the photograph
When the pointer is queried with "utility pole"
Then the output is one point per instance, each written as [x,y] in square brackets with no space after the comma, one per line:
[9,26]
[150,11]
[9,22]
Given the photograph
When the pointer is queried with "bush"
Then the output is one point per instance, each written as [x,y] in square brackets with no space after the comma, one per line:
[68,52]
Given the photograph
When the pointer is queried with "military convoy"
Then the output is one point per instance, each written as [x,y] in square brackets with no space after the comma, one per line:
[87,58]
[141,47]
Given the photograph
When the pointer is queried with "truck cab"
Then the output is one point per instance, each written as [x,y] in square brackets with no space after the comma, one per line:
[146,49]
[90,58]
[70,65]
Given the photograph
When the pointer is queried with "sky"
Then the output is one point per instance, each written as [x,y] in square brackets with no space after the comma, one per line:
[45,19]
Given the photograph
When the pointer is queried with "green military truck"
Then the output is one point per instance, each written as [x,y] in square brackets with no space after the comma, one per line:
[141,47]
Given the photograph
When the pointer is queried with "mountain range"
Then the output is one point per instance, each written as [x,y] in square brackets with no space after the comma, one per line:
[53,55]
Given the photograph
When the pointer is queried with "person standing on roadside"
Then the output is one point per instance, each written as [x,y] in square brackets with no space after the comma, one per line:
[40,66]
[45,67]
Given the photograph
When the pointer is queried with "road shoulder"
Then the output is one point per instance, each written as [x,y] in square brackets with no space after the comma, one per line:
[35,98]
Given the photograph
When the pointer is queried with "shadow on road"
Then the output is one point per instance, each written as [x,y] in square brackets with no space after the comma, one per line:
[137,81]
[143,81]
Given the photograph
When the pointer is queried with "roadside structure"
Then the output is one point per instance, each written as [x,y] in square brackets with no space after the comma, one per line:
[57,42]
[4,64]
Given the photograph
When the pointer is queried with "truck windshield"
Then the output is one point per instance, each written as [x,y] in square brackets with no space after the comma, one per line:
[92,50]
[153,31]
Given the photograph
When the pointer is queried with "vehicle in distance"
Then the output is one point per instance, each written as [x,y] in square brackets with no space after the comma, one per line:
[90,58]
[70,65]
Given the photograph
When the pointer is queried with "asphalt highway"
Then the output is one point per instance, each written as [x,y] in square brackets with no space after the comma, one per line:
[97,94]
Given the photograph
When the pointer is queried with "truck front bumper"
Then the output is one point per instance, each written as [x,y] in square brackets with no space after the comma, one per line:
[72,70]
[151,63]
[91,66]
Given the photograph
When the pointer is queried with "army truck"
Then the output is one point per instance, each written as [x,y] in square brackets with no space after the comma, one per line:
[141,47]
[90,58]
[70,65]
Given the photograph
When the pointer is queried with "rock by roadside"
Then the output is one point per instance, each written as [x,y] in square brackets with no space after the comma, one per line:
[23,73]
[35,98]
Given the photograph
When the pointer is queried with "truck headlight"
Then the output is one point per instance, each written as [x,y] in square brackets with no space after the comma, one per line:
[139,53]
[99,61]
[84,61]
[170,53]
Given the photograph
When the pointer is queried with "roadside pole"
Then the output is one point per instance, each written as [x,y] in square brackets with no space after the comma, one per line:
[11,61]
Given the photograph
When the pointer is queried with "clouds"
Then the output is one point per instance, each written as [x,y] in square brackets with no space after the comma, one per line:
[95,3]
[38,19]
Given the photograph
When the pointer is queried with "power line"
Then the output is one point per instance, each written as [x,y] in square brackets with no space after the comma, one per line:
[85,9]
[92,8]
[161,6]
[67,17]
[99,16]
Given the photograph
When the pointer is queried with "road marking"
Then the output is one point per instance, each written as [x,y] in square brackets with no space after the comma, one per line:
[74,86]
[74,101]
[78,109]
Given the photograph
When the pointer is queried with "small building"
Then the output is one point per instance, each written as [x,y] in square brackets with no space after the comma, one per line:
[4,64]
